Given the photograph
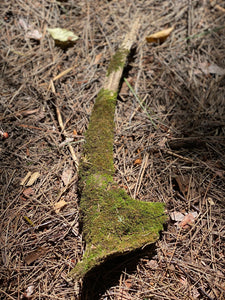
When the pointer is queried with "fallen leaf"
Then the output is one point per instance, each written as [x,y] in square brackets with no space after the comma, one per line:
[34,255]
[28,293]
[176,216]
[152,264]
[24,180]
[34,34]
[188,220]
[59,205]
[75,133]
[28,192]
[30,32]
[33,178]
[183,183]
[97,58]
[138,161]
[183,220]
[62,35]
[159,36]
[162,142]
[128,283]
[211,69]
[66,176]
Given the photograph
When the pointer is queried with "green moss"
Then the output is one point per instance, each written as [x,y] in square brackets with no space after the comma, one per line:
[113,222]
[98,151]
[118,60]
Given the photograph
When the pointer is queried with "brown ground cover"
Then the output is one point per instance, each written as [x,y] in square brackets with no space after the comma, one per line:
[169,148]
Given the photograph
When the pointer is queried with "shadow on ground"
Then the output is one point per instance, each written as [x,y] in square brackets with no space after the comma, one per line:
[101,278]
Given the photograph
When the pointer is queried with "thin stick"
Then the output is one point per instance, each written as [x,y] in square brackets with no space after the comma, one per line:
[140,102]
[64,132]
[59,117]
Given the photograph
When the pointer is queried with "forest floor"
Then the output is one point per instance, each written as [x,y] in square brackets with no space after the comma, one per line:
[169,143]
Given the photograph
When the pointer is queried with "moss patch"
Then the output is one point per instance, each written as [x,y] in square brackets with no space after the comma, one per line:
[118,60]
[98,151]
[113,222]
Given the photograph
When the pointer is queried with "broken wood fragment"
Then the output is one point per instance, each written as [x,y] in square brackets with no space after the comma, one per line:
[112,222]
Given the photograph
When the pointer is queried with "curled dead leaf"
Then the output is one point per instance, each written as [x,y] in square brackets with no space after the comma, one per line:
[188,220]
[33,178]
[138,161]
[66,176]
[97,58]
[28,192]
[159,36]
[59,205]
[24,180]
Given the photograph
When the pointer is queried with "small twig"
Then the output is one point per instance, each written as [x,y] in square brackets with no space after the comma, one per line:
[10,297]
[66,188]
[193,280]
[140,103]
[217,6]
[59,116]
[206,32]
[178,156]
[140,176]
[42,225]
[63,73]
[60,121]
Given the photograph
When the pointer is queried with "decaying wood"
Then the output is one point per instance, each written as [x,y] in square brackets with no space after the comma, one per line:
[113,223]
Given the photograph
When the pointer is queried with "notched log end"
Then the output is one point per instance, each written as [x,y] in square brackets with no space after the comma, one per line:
[114,223]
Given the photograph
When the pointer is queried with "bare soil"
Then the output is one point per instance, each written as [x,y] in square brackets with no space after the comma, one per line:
[169,144]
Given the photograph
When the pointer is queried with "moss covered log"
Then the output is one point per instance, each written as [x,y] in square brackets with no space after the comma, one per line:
[112,222]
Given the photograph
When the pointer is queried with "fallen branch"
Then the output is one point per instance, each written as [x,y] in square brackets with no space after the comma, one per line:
[112,222]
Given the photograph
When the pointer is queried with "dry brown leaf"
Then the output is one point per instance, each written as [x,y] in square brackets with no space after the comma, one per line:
[66,176]
[24,180]
[188,220]
[138,161]
[97,58]
[183,220]
[34,255]
[75,133]
[59,205]
[159,36]
[33,178]
[28,192]
[152,264]
[183,183]
[128,283]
